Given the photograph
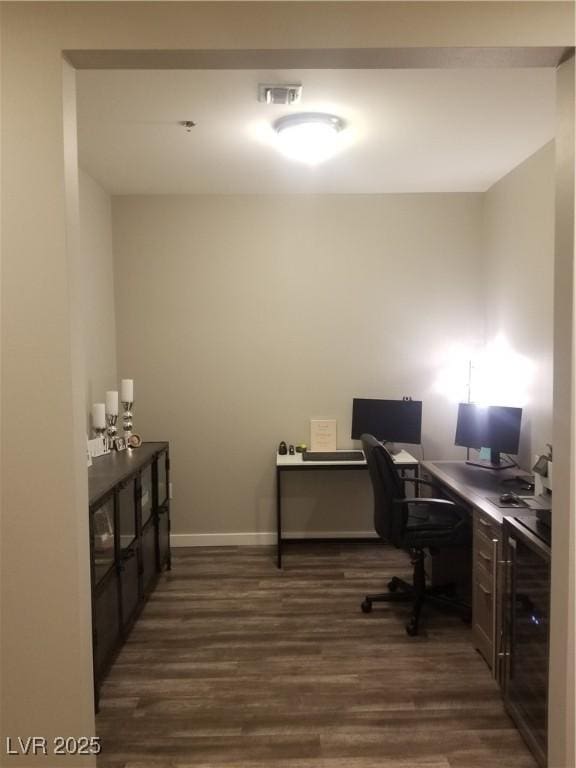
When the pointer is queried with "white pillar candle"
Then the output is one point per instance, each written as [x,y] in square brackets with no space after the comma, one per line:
[98,416]
[127,390]
[112,403]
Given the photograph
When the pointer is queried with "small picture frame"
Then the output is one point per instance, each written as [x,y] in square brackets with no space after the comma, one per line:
[120,444]
[541,466]
[134,441]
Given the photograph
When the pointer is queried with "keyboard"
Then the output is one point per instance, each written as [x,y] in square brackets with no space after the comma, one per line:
[333,456]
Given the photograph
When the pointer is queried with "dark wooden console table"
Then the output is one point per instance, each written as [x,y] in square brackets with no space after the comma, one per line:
[129,542]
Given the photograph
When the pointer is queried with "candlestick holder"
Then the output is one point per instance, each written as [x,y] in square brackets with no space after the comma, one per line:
[127,418]
[111,419]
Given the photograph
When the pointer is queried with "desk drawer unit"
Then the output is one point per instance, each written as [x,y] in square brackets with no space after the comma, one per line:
[487,590]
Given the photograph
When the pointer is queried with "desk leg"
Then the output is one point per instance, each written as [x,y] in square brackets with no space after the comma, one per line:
[413,473]
[278,518]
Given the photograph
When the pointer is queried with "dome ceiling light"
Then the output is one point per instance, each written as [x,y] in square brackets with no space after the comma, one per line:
[309,137]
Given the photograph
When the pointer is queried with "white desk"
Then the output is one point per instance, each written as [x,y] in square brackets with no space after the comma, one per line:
[404,460]
[295,463]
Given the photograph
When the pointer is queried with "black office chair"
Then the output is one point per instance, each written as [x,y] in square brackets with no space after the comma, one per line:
[417,525]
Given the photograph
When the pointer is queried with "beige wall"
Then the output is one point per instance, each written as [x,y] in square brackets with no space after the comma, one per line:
[97,291]
[45,637]
[518,255]
[562,690]
[243,317]
[46,618]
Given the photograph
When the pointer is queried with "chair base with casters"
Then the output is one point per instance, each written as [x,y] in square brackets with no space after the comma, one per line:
[418,593]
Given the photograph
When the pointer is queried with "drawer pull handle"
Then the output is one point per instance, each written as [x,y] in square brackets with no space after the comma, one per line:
[494,607]
[485,591]
[485,557]
[484,523]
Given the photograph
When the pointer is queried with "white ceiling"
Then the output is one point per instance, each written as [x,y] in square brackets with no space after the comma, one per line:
[409,130]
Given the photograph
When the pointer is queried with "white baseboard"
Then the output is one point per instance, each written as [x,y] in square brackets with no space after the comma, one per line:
[258,539]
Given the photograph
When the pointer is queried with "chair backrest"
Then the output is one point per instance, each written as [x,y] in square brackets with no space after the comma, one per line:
[387,486]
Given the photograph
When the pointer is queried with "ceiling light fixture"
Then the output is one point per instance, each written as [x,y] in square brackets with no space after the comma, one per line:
[309,137]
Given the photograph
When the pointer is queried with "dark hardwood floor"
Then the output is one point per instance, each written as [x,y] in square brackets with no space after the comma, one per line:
[238,665]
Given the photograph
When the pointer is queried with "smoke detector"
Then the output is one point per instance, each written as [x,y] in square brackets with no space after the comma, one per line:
[279,94]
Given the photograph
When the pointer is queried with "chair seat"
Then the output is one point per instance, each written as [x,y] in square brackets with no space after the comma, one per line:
[430,527]
[427,518]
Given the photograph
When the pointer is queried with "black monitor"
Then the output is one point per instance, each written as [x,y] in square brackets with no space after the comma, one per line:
[496,427]
[395,421]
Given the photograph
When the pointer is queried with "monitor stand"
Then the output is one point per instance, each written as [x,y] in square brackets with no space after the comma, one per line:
[494,463]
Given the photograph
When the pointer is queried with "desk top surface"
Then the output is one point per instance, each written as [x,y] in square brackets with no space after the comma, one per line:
[475,485]
[402,458]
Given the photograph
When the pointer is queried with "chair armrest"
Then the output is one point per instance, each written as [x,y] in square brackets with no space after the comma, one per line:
[430,502]
[445,504]
[418,481]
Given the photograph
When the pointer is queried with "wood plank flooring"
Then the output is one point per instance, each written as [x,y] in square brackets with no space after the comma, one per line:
[234,664]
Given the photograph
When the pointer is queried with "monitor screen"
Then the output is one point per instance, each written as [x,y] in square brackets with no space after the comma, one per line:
[492,426]
[395,421]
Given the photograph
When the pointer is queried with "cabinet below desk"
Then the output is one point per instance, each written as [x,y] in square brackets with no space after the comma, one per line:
[470,487]
[487,590]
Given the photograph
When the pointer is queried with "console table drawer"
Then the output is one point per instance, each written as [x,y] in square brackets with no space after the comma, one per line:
[148,554]
[106,627]
[129,585]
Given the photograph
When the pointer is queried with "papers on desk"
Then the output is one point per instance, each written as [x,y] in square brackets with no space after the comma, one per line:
[322,435]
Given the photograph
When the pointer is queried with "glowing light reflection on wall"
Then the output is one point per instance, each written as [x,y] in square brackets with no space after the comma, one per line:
[491,375]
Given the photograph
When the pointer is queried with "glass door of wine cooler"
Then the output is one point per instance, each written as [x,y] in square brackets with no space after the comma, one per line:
[526,633]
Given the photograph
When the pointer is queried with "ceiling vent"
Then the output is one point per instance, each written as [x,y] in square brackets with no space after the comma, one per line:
[279,94]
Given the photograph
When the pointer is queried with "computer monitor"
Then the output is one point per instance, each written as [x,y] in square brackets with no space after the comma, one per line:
[394,421]
[496,427]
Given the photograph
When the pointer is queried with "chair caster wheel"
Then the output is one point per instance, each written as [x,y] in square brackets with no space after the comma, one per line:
[393,585]
[366,606]
[412,628]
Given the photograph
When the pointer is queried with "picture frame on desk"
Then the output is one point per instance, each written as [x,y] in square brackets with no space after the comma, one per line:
[323,435]
[97,446]
[134,441]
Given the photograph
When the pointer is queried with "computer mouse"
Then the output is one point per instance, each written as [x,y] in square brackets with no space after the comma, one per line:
[508,498]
